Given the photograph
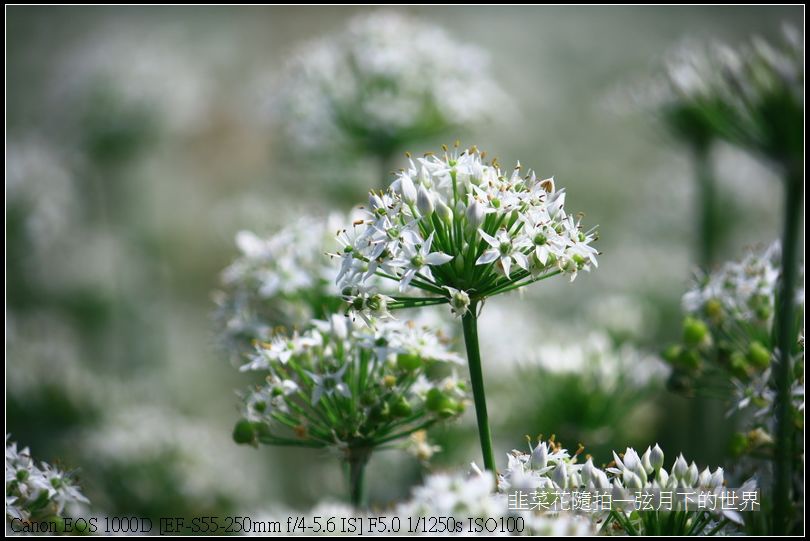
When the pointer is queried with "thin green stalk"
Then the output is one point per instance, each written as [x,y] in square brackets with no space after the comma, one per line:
[785,338]
[357,458]
[470,325]
[703,410]
[707,206]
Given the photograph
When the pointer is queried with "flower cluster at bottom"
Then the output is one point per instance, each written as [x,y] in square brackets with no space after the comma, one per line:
[635,493]
[445,504]
[36,493]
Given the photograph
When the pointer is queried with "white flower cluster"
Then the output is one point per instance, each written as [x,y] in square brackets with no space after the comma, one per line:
[457,227]
[467,505]
[285,279]
[337,383]
[386,81]
[728,328]
[743,290]
[36,492]
[549,467]
[466,498]
[693,71]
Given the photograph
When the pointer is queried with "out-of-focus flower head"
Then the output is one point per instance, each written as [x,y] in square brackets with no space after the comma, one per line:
[386,81]
[285,279]
[727,342]
[751,95]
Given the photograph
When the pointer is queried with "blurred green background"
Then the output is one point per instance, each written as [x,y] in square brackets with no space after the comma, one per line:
[139,141]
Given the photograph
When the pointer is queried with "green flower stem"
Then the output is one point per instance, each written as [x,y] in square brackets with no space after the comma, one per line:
[357,458]
[707,206]
[703,410]
[470,325]
[785,338]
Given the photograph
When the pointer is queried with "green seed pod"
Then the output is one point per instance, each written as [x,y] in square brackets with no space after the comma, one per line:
[243,432]
[379,413]
[714,309]
[689,359]
[435,399]
[695,332]
[449,408]
[401,408]
[738,364]
[408,362]
[672,353]
[758,355]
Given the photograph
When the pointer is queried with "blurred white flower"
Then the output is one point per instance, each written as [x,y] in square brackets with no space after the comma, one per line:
[386,81]
[284,279]
[187,452]
[167,77]
[465,497]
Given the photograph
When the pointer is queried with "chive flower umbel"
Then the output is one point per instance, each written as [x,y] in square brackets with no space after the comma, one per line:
[454,229]
[350,387]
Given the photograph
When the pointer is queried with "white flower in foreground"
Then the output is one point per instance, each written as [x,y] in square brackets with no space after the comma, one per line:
[489,233]
[417,259]
[549,468]
[36,493]
[387,81]
[465,497]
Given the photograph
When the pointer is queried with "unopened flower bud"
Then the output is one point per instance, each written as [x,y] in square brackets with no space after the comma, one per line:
[704,478]
[680,468]
[631,480]
[407,189]
[692,474]
[587,471]
[443,212]
[717,479]
[424,201]
[657,457]
[459,302]
[560,476]
[540,456]
[475,215]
